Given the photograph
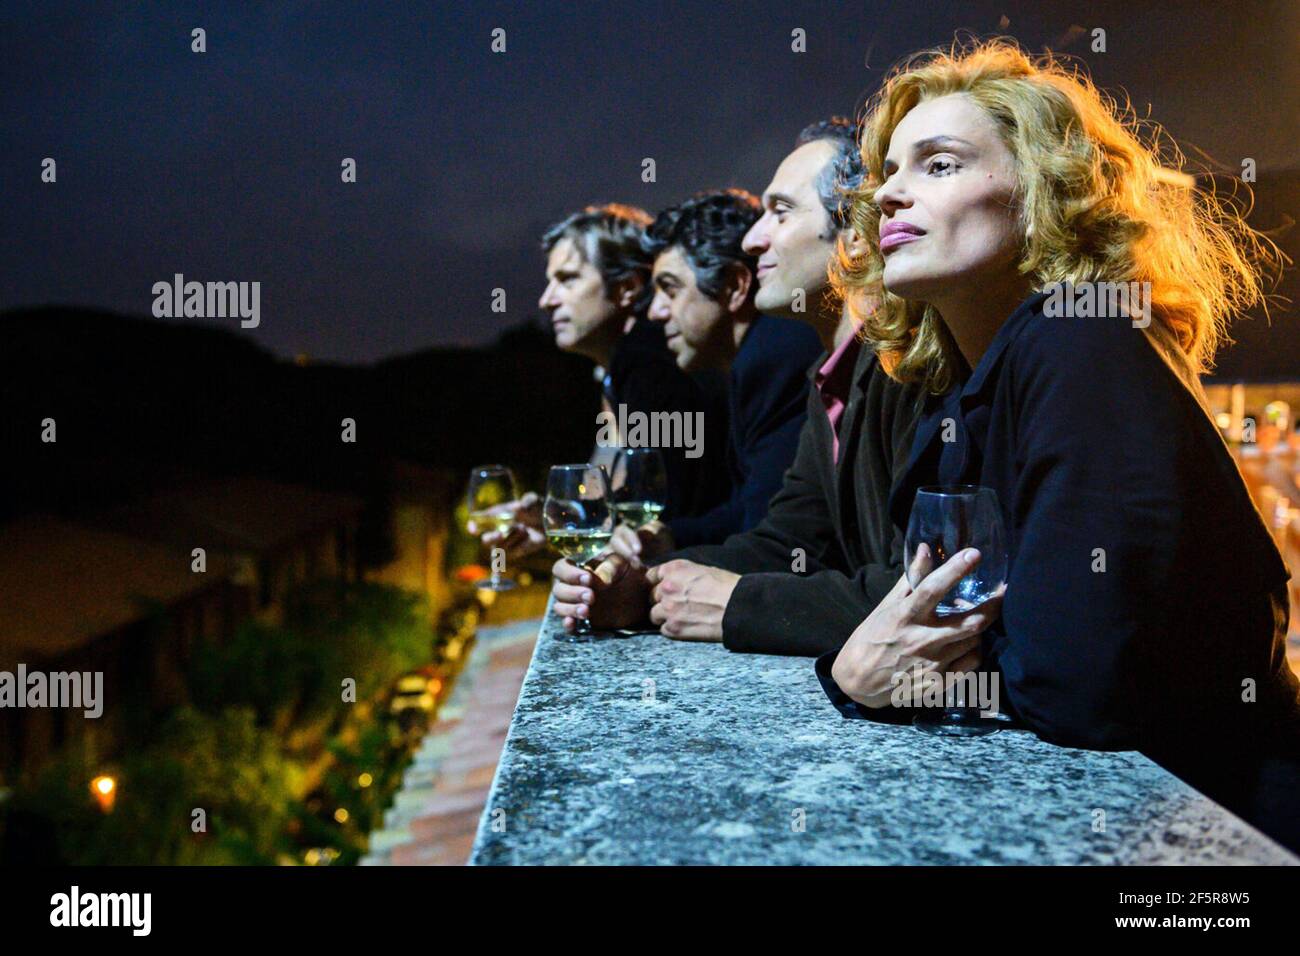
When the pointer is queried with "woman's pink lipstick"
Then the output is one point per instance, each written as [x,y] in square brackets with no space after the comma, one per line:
[894,234]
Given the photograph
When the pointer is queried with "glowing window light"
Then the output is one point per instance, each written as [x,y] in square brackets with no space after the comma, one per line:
[104,789]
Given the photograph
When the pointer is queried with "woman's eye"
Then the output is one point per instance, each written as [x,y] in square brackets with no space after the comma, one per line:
[942,166]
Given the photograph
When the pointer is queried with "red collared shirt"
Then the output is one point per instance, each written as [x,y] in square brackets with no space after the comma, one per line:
[832,382]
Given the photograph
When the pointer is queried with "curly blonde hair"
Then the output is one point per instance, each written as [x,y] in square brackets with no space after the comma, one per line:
[1096,203]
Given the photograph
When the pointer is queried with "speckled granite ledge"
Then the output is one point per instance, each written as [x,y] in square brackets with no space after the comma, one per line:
[643,750]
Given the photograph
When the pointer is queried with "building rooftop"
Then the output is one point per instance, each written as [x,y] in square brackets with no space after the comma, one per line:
[233,514]
[63,583]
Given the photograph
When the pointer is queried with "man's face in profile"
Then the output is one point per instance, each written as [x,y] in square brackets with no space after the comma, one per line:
[795,238]
[575,299]
[696,327]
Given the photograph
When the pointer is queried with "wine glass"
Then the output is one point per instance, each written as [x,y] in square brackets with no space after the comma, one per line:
[490,500]
[638,486]
[947,519]
[578,521]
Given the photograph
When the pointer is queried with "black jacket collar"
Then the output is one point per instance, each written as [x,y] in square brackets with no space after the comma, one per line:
[1007,334]
[972,390]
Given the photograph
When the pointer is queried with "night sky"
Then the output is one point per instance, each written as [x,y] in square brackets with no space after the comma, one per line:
[226,165]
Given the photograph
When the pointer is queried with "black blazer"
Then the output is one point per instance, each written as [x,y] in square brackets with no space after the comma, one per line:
[768,402]
[1092,442]
[836,514]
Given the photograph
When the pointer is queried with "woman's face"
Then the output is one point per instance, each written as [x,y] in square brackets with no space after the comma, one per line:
[948,225]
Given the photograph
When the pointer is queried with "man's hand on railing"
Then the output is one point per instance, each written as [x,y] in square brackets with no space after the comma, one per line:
[690,599]
[647,543]
[525,536]
[616,594]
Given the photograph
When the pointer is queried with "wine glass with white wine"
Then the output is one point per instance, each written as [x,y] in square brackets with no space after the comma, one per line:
[578,521]
[638,486]
[490,501]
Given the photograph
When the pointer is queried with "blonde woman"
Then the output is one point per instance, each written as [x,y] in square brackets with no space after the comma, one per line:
[1005,202]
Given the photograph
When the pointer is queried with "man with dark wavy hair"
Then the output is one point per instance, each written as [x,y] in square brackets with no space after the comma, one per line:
[704,289]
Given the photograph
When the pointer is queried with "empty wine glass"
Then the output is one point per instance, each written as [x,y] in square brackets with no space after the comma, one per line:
[947,519]
[490,501]
[638,486]
[578,521]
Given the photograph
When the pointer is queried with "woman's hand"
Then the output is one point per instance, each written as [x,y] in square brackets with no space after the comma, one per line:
[903,638]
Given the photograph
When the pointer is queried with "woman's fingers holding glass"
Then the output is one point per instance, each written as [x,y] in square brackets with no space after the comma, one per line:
[948,654]
[942,646]
[970,661]
[922,563]
[927,595]
[977,619]
[956,633]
